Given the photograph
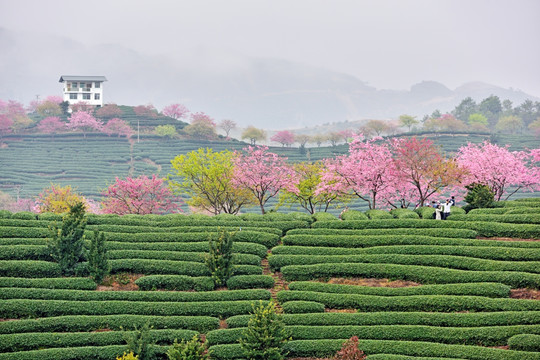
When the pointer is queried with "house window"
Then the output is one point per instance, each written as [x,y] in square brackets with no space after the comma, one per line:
[73,85]
[88,85]
[96,96]
[73,96]
[97,85]
[86,96]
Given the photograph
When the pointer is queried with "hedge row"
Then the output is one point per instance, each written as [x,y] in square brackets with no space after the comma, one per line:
[24,232]
[169,267]
[302,307]
[375,214]
[250,282]
[240,259]
[463,319]
[77,353]
[48,283]
[79,323]
[34,341]
[487,229]
[20,308]
[175,282]
[238,247]
[483,252]
[163,296]
[483,336]
[374,240]
[476,289]
[504,218]
[435,232]
[404,214]
[29,269]
[325,348]
[421,274]
[441,303]
[525,342]
[353,215]
[443,261]
[179,229]
[404,357]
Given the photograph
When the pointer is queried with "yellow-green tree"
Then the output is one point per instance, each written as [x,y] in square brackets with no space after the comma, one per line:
[407,121]
[253,134]
[58,199]
[205,176]
[511,124]
[305,191]
[165,130]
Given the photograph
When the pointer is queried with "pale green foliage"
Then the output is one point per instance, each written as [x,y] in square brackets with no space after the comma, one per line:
[219,258]
[188,350]
[408,121]
[511,124]
[205,176]
[477,119]
[253,134]
[265,335]
[201,130]
[165,130]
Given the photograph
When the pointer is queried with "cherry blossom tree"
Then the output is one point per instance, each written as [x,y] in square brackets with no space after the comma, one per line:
[54,99]
[284,137]
[51,125]
[5,125]
[146,111]
[368,172]
[84,121]
[118,126]
[109,111]
[419,163]
[82,106]
[142,195]
[202,126]
[227,125]
[263,173]
[176,111]
[499,168]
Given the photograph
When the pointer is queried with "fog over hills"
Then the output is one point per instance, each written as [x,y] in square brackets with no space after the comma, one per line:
[265,92]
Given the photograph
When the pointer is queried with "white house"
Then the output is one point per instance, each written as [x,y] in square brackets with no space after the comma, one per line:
[88,89]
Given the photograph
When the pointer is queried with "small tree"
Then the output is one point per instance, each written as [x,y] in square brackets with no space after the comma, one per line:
[98,264]
[139,341]
[175,111]
[66,245]
[350,351]
[219,259]
[58,199]
[265,335]
[253,134]
[165,130]
[188,350]
[227,125]
[479,196]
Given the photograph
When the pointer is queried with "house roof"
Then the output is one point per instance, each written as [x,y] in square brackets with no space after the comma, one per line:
[81,78]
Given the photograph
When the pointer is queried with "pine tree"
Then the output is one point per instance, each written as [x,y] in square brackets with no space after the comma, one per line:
[98,265]
[219,260]
[265,335]
[66,245]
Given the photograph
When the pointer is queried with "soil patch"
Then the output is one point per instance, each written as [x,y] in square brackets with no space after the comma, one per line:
[120,282]
[530,294]
[373,282]
[340,310]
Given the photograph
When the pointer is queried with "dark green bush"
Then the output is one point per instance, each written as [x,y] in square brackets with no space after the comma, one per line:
[378,214]
[250,282]
[301,307]
[525,342]
[25,252]
[175,282]
[24,215]
[425,212]
[422,274]
[48,283]
[245,259]
[477,289]
[80,323]
[441,232]
[29,269]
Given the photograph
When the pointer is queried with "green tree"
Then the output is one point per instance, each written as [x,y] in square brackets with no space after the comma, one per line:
[478,122]
[206,177]
[465,108]
[219,259]
[253,134]
[66,245]
[535,127]
[98,264]
[491,108]
[528,111]
[306,194]
[188,350]
[201,130]
[265,335]
[408,121]
[478,196]
[165,130]
[139,341]
[511,124]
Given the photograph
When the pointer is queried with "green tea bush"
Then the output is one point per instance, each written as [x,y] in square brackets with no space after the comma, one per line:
[404,214]
[353,215]
[324,216]
[29,269]
[48,283]
[378,214]
[525,342]
[302,306]
[250,282]
[441,232]
[175,282]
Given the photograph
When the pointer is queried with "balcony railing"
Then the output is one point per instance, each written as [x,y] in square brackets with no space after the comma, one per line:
[71,89]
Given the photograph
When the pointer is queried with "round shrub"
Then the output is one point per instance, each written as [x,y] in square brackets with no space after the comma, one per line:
[378,214]
[353,215]
[525,342]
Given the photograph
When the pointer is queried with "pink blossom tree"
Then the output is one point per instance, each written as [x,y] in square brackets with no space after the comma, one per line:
[118,126]
[146,111]
[109,111]
[263,173]
[84,121]
[142,195]
[499,168]
[227,125]
[82,106]
[202,127]
[368,172]
[284,137]
[175,111]
[54,99]
[5,125]
[51,125]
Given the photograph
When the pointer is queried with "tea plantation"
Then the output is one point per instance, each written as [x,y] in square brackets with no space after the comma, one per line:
[455,292]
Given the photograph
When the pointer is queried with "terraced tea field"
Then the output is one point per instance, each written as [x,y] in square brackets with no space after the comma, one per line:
[408,287]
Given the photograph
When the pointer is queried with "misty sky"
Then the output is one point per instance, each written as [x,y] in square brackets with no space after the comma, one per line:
[390,44]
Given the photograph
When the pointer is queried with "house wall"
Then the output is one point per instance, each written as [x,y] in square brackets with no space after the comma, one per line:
[82,91]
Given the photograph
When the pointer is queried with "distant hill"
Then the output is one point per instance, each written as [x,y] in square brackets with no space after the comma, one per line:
[267,93]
